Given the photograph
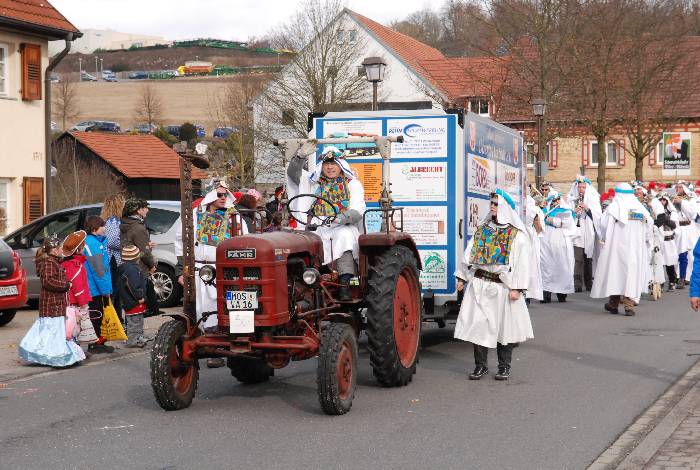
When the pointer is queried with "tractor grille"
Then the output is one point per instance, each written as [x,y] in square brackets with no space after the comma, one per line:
[230,274]
[251,274]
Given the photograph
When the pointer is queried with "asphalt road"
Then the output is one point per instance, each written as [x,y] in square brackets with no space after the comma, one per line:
[573,389]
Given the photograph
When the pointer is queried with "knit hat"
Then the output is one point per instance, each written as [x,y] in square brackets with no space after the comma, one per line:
[133,204]
[255,193]
[131,253]
[74,242]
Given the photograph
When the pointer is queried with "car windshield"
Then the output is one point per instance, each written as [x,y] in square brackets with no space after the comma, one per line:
[61,224]
[160,220]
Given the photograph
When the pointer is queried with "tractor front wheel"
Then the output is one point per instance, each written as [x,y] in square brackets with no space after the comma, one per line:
[249,371]
[173,380]
[337,368]
[394,316]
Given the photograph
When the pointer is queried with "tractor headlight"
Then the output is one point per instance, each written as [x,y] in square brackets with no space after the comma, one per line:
[207,273]
[311,276]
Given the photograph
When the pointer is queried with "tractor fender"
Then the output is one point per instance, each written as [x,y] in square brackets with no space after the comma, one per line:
[372,244]
[183,318]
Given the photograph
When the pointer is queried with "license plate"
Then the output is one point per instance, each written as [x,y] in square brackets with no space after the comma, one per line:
[8,290]
[242,321]
[241,300]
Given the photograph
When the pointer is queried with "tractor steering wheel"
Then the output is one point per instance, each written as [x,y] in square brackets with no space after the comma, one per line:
[326,220]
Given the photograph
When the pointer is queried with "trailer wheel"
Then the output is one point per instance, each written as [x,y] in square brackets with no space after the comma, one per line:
[6,316]
[174,382]
[337,368]
[394,316]
[249,371]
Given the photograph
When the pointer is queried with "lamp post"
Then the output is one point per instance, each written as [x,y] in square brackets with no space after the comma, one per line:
[102,65]
[539,107]
[97,70]
[80,68]
[374,73]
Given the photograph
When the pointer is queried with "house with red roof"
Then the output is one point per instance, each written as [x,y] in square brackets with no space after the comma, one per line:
[143,165]
[419,76]
[26,27]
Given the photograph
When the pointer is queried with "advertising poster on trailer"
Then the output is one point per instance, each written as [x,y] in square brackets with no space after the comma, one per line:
[676,153]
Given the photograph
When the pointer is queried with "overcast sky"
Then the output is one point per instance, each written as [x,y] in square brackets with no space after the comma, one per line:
[222,19]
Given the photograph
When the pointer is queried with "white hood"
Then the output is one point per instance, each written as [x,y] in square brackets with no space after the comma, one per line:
[625,201]
[211,197]
[506,211]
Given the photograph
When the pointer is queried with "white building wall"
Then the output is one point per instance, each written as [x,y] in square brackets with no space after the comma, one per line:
[21,132]
[400,85]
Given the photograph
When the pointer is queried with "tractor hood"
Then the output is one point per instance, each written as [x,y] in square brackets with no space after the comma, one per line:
[269,247]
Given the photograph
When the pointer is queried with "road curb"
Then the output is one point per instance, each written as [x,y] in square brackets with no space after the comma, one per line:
[635,447]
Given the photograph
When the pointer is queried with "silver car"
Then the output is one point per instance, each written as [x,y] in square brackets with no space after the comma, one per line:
[162,222]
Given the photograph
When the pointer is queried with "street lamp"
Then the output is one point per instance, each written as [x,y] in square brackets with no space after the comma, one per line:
[97,70]
[539,108]
[374,73]
[80,68]
[102,65]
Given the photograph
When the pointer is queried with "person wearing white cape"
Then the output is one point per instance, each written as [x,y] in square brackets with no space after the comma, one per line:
[493,313]
[534,218]
[687,234]
[666,221]
[212,219]
[586,203]
[333,179]
[621,268]
[557,255]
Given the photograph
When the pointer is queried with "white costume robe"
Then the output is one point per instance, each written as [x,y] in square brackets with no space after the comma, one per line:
[557,257]
[337,239]
[534,288]
[487,316]
[587,227]
[624,257]
[205,254]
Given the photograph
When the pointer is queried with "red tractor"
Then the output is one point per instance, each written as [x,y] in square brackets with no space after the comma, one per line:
[277,303]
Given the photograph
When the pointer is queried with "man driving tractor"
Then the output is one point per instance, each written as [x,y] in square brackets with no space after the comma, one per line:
[337,211]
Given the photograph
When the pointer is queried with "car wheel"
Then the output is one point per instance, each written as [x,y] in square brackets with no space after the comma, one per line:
[6,316]
[166,286]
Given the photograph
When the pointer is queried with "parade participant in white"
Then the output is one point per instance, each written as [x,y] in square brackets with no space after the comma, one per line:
[620,271]
[493,313]
[666,220]
[585,200]
[212,225]
[655,270]
[534,218]
[687,234]
[557,253]
[332,179]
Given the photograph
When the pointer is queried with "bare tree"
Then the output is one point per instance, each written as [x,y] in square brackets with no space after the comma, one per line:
[65,101]
[424,25]
[149,105]
[79,180]
[232,107]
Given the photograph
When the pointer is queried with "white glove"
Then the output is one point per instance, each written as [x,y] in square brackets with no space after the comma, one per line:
[307,148]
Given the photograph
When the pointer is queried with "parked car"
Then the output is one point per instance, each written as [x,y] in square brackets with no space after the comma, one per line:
[107,126]
[86,77]
[54,78]
[145,128]
[162,222]
[223,132]
[109,76]
[138,75]
[173,130]
[13,284]
[200,130]
[85,126]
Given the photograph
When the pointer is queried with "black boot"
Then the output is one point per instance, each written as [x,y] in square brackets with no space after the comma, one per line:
[546,297]
[478,373]
[503,373]
[561,297]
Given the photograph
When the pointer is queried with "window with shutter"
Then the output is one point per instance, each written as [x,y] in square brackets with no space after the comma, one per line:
[33,198]
[31,71]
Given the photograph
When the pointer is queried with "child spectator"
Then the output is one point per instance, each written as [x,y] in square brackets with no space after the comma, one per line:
[99,276]
[45,342]
[133,295]
[74,265]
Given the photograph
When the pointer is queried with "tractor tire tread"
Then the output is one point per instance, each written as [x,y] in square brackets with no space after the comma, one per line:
[163,389]
[249,371]
[332,337]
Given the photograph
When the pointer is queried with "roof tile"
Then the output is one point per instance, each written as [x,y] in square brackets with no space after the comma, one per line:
[37,12]
[135,156]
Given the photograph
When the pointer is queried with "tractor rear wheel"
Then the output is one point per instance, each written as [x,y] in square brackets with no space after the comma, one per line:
[337,368]
[394,316]
[174,381]
[249,371]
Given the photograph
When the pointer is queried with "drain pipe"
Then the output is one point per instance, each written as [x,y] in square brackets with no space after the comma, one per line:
[47,118]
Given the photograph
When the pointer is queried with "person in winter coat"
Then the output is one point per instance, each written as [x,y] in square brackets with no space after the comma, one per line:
[133,296]
[275,204]
[45,342]
[246,206]
[99,276]
[112,213]
[134,232]
[74,265]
